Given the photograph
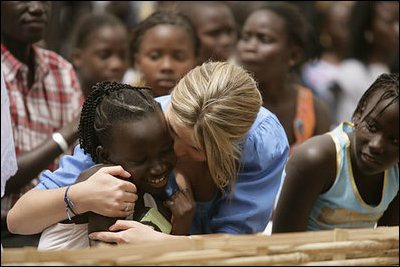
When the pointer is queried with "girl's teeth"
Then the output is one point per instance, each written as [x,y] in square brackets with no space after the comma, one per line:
[156,181]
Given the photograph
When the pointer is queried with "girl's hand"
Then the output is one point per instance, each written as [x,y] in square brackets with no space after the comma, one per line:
[129,232]
[103,193]
[183,207]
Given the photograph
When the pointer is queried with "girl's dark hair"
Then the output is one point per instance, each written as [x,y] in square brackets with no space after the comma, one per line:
[297,27]
[107,104]
[389,83]
[163,17]
[90,23]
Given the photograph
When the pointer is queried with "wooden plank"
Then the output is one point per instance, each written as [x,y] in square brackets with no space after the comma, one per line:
[378,261]
[318,246]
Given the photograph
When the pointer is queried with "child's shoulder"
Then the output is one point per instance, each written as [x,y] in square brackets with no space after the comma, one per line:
[317,152]
[314,160]
[86,174]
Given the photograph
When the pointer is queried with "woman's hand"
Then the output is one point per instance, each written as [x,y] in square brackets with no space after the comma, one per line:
[130,232]
[103,193]
[183,207]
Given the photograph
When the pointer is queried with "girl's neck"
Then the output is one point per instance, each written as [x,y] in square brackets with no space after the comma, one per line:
[274,92]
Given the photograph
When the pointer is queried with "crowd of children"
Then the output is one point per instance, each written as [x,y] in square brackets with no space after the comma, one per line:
[196,121]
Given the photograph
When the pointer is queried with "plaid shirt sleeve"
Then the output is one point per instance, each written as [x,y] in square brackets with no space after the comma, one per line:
[53,100]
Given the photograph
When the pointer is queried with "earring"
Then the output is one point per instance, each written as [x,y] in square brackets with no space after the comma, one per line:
[369,36]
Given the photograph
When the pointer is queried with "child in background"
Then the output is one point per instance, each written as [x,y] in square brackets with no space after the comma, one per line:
[124,125]
[100,50]
[164,48]
[349,177]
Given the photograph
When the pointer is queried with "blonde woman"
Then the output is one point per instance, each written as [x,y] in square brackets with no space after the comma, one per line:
[231,154]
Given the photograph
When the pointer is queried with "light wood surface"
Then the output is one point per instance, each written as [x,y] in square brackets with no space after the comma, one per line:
[350,247]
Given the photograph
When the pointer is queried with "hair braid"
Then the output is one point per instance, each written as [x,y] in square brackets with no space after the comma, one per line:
[388,83]
[108,103]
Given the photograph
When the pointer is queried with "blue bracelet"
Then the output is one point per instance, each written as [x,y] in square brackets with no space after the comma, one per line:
[69,204]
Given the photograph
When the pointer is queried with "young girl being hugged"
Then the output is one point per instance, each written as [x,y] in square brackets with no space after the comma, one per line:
[163,48]
[349,177]
[124,125]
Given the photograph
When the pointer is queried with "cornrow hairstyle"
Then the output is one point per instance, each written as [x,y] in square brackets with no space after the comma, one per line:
[90,23]
[389,84]
[107,104]
[163,17]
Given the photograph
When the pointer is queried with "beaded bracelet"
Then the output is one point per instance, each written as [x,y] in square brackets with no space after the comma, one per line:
[69,204]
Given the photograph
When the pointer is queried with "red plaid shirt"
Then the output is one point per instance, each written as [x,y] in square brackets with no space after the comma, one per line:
[54,99]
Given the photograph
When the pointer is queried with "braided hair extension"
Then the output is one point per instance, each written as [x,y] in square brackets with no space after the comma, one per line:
[389,83]
[107,104]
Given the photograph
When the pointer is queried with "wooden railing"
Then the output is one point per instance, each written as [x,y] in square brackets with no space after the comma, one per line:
[375,247]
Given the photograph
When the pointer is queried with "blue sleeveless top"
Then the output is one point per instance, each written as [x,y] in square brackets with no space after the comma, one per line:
[342,205]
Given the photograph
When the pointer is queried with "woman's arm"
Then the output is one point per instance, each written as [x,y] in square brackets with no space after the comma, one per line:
[311,170]
[101,193]
[31,163]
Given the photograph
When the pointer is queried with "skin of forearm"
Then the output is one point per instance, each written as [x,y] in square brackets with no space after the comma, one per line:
[31,163]
[37,210]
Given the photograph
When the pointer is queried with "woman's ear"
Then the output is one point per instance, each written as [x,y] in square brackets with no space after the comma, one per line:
[103,155]
[76,57]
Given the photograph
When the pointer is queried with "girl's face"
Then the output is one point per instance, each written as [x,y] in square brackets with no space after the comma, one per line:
[263,47]
[166,53]
[105,57]
[217,34]
[377,138]
[145,149]
[185,145]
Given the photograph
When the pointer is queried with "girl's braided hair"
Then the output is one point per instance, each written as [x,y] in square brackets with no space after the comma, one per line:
[389,83]
[107,104]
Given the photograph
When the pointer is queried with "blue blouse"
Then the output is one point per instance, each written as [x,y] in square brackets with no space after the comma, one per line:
[265,152]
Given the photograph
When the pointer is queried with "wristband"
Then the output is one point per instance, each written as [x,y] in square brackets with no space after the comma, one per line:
[59,139]
[68,203]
